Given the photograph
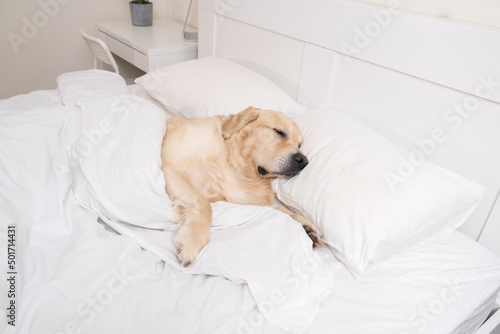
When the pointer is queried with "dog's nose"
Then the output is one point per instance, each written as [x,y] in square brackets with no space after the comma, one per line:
[301,160]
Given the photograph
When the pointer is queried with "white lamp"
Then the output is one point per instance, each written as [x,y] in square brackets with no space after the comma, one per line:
[189,36]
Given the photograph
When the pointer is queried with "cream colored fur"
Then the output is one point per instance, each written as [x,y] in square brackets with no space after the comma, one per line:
[229,159]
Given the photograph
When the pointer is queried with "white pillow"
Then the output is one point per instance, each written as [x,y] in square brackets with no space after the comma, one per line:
[367,203]
[214,86]
[78,86]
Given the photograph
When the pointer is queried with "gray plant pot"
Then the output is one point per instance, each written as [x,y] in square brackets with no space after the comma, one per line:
[142,13]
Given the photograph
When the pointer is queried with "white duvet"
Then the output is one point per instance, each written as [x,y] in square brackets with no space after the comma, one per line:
[52,172]
[258,274]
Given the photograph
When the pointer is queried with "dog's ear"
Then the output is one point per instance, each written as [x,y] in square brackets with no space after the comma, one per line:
[235,123]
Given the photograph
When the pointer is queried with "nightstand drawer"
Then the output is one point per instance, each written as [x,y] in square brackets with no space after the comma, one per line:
[158,61]
[121,49]
[147,48]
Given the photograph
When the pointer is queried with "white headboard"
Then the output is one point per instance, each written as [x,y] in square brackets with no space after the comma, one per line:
[427,84]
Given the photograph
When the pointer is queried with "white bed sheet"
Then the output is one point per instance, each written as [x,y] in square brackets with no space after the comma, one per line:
[75,275]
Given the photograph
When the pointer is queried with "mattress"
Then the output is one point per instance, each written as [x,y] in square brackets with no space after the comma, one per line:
[78,272]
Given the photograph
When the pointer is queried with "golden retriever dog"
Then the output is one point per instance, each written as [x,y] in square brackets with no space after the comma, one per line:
[230,159]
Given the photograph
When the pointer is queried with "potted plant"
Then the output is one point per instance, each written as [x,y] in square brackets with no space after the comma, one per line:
[141,12]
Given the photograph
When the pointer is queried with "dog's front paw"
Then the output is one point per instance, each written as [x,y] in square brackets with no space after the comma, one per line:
[314,236]
[189,242]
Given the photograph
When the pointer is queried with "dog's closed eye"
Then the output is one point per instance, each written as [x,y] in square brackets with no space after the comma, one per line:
[280,132]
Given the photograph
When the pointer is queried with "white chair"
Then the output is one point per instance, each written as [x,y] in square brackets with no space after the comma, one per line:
[100,50]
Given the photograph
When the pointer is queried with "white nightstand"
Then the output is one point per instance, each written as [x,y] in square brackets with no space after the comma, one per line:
[147,48]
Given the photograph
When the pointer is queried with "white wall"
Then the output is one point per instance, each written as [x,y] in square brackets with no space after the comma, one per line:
[40,38]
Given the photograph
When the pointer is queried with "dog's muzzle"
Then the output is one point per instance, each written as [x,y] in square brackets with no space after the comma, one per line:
[301,160]
[286,166]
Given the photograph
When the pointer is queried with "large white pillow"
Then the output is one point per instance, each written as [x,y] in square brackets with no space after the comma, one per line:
[363,197]
[214,86]
[78,86]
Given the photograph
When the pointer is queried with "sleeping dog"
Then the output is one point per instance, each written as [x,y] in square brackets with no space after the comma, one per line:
[230,159]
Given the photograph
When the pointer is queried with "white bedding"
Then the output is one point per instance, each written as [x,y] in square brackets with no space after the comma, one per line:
[257,275]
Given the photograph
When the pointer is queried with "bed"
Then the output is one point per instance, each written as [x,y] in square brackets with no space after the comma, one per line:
[393,110]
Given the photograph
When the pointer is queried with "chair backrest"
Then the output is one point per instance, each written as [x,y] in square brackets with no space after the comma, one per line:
[100,50]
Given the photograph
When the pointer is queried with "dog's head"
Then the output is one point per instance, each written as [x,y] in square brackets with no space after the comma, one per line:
[268,142]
